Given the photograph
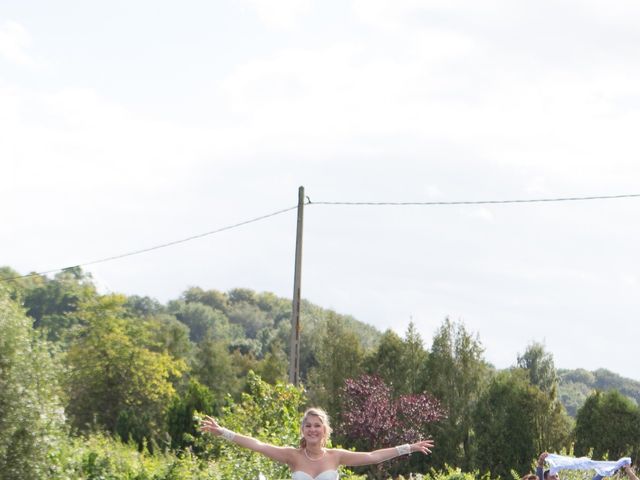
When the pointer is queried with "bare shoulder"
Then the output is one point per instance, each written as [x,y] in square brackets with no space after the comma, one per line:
[338,453]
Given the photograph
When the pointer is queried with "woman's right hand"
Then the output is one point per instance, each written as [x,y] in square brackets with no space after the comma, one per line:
[210,425]
[541,458]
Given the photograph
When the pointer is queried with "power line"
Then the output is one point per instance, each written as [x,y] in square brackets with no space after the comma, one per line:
[480,202]
[309,202]
[156,247]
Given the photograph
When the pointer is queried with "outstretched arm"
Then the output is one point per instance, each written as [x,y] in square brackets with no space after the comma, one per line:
[540,466]
[279,454]
[354,459]
[630,473]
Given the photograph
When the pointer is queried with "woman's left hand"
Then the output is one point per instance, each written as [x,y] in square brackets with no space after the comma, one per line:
[424,446]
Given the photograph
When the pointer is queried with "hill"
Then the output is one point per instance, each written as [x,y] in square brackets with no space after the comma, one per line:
[574,386]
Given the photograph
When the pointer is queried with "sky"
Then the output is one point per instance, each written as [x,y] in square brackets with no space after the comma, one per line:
[130,124]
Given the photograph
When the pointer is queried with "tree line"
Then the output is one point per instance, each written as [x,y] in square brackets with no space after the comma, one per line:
[128,372]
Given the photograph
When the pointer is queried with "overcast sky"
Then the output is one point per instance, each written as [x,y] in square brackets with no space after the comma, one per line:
[128,124]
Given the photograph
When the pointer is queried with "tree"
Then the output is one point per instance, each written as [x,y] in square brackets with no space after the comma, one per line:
[31,414]
[180,424]
[202,320]
[456,374]
[113,379]
[504,423]
[212,298]
[539,364]
[399,362]
[339,355]
[372,418]
[269,413]
[552,423]
[386,361]
[52,303]
[170,335]
[608,423]
[214,367]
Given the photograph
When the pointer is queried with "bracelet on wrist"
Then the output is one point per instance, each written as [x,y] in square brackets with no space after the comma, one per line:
[227,434]
[403,449]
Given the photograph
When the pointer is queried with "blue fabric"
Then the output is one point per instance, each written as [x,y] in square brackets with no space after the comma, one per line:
[602,468]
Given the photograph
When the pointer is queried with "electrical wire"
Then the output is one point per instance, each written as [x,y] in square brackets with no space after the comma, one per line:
[309,202]
[155,247]
[481,202]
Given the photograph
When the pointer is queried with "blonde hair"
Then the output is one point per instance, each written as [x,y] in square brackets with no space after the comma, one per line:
[324,419]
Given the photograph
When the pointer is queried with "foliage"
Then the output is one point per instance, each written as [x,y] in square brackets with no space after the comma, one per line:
[608,423]
[371,418]
[539,364]
[456,374]
[552,423]
[576,385]
[506,423]
[214,367]
[270,413]
[339,354]
[180,414]
[31,416]
[450,473]
[52,302]
[399,362]
[202,320]
[113,379]
[99,456]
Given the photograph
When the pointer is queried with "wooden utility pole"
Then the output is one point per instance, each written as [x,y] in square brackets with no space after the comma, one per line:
[294,351]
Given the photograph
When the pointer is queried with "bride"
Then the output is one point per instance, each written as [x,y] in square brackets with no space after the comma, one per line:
[312,460]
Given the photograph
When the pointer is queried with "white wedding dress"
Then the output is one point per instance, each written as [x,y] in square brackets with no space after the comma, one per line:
[326,475]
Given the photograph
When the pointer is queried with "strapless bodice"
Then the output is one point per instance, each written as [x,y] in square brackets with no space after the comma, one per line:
[326,475]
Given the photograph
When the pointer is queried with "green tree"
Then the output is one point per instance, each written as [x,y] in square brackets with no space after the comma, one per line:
[553,425]
[386,361]
[608,423]
[52,303]
[275,364]
[269,413]
[31,415]
[170,335]
[340,356]
[540,367]
[399,362]
[180,414]
[113,379]
[456,374]
[504,423]
[415,357]
[202,320]
[213,298]
[214,367]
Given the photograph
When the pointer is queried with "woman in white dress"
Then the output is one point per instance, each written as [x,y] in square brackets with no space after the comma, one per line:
[312,460]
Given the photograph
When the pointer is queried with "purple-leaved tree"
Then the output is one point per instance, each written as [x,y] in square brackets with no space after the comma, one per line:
[371,418]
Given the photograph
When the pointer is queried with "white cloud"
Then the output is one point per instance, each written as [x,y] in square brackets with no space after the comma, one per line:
[14,42]
[281,14]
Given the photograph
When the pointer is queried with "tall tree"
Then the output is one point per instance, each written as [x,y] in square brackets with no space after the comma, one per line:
[386,361]
[52,303]
[552,423]
[373,418]
[540,367]
[269,413]
[340,355]
[504,423]
[31,415]
[456,374]
[113,378]
[608,423]
[399,362]
[214,367]
[202,320]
